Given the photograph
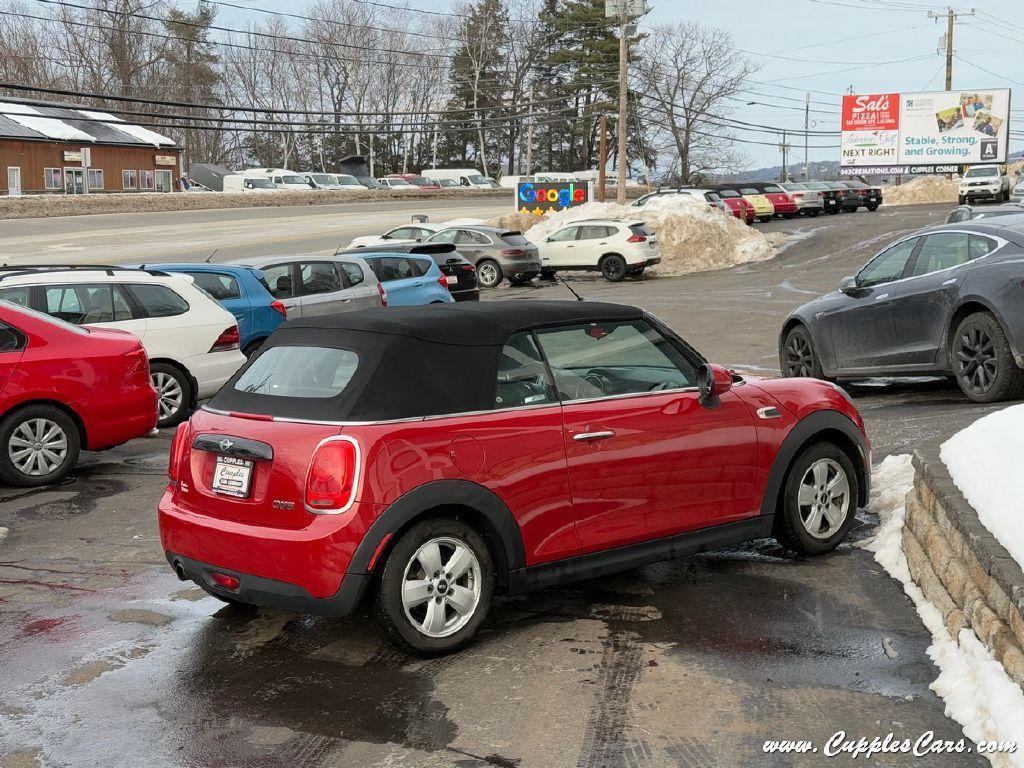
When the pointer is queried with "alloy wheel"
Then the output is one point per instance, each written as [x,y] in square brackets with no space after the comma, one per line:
[799,356]
[614,269]
[38,447]
[976,360]
[824,498]
[170,393]
[488,275]
[441,587]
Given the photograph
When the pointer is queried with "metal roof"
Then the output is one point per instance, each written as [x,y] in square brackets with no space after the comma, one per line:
[47,121]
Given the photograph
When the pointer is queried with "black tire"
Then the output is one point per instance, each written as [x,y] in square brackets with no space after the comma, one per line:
[389,612]
[523,279]
[788,215]
[828,507]
[613,267]
[253,347]
[983,362]
[489,274]
[872,207]
[547,274]
[764,219]
[961,200]
[833,210]
[798,357]
[750,222]
[175,400]
[42,420]
[815,212]
[1006,195]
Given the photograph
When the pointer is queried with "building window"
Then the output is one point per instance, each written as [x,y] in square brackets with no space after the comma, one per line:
[129,180]
[52,178]
[95,178]
[147,180]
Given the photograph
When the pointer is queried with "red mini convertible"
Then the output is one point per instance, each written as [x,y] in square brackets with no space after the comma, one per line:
[64,388]
[436,456]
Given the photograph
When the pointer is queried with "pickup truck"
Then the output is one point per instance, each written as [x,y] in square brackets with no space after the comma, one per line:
[983,182]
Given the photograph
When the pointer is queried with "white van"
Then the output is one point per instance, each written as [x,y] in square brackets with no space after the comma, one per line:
[238,183]
[282,178]
[465,177]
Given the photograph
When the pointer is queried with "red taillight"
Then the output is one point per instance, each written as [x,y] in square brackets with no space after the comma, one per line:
[443,282]
[468,268]
[224,581]
[331,479]
[278,306]
[227,340]
[512,252]
[383,295]
[179,449]
[637,239]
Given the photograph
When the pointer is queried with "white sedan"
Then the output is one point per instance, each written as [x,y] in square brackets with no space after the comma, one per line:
[407,233]
[615,248]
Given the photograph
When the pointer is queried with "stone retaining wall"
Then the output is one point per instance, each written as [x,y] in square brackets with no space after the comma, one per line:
[960,566]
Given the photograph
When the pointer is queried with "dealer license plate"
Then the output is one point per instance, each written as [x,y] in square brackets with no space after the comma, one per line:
[451,279]
[232,476]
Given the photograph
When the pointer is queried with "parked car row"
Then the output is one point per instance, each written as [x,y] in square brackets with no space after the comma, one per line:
[282,179]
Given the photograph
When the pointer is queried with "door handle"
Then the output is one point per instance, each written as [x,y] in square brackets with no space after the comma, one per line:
[585,437]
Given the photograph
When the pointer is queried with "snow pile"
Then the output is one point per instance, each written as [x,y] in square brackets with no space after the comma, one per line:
[692,237]
[977,692]
[924,189]
[984,461]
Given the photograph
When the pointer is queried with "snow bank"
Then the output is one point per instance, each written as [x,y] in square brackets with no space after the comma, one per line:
[974,686]
[925,189]
[984,461]
[692,237]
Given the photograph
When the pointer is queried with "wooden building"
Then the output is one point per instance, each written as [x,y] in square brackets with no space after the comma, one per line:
[48,148]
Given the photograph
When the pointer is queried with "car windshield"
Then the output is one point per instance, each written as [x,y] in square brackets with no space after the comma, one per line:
[791,187]
[343,179]
[398,183]
[975,173]
[476,178]
[446,183]
[419,181]
[367,181]
[323,178]
[261,184]
[295,180]
[773,189]
[304,372]
[728,193]
[818,185]
[44,317]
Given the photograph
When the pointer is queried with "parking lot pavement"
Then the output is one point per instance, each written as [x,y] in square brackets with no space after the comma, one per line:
[109,660]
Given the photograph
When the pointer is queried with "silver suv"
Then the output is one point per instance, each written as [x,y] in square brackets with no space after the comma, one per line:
[497,253]
[318,285]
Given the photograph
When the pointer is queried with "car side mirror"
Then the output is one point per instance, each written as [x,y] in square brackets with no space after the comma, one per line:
[713,381]
[849,286]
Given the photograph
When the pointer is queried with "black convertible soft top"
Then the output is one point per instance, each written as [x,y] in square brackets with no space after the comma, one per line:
[413,361]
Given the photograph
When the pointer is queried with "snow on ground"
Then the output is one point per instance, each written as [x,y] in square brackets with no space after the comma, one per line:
[975,688]
[692,236]
[984,461]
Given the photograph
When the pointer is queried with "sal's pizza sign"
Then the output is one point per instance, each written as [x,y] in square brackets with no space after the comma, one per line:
[540,198]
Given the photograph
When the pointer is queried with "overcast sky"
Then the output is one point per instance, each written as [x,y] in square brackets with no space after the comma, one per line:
[872,45]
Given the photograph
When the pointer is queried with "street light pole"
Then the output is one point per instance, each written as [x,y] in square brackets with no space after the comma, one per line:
[623,161]
[807,127]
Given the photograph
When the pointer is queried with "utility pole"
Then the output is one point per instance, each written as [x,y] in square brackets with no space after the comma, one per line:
[785,170]
[951,14]
[807,128]
[623,162]
[602,160]
[529,137]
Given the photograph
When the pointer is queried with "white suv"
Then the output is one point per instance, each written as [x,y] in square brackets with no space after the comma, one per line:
[614,247]
[192,341]
[983,182]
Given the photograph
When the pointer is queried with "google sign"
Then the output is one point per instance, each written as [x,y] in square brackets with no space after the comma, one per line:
[550,197]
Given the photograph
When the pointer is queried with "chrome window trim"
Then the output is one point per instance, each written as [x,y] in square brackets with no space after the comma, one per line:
[1000,242]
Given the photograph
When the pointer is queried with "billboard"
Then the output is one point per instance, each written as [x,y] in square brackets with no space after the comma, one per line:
[935,132]
[543,197]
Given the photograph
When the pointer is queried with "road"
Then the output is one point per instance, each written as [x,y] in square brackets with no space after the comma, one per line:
[109,660]
[235,233]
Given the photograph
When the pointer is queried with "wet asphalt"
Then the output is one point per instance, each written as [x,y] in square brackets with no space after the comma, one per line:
[106,659]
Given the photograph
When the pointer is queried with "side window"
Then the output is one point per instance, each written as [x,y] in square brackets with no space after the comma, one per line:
[279,280]
[403,233]
[522,379]
[592,233]
[981,246]
[217,284]
[10,339]
[159,300]
[445,236]
[618,358]
[319,277]
[19,296]
[941,251]
[419,267]
[564,235]
[63,301]
[888,265]
[353,271]
[122,309]
[468,237]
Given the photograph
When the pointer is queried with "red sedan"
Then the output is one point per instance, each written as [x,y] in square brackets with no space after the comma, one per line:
[65,388]
[740,208]
[784,203]
[436,456]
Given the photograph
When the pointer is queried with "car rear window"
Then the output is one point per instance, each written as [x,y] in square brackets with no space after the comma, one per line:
[219,285]
[749,191]
[773,189]
[641,229]
[299,372]
[514,238]
[391,268]
[728,193]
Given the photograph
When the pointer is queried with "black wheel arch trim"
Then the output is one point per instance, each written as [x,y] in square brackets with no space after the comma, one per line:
[819,349]
[803,434]
[947,338]
[443,493]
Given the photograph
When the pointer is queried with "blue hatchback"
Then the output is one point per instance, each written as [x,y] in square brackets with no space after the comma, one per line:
[242,291]
[408,279]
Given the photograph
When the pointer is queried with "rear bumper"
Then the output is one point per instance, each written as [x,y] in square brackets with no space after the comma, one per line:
[311,561]
[256,590]
[212,370]
[652,261]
